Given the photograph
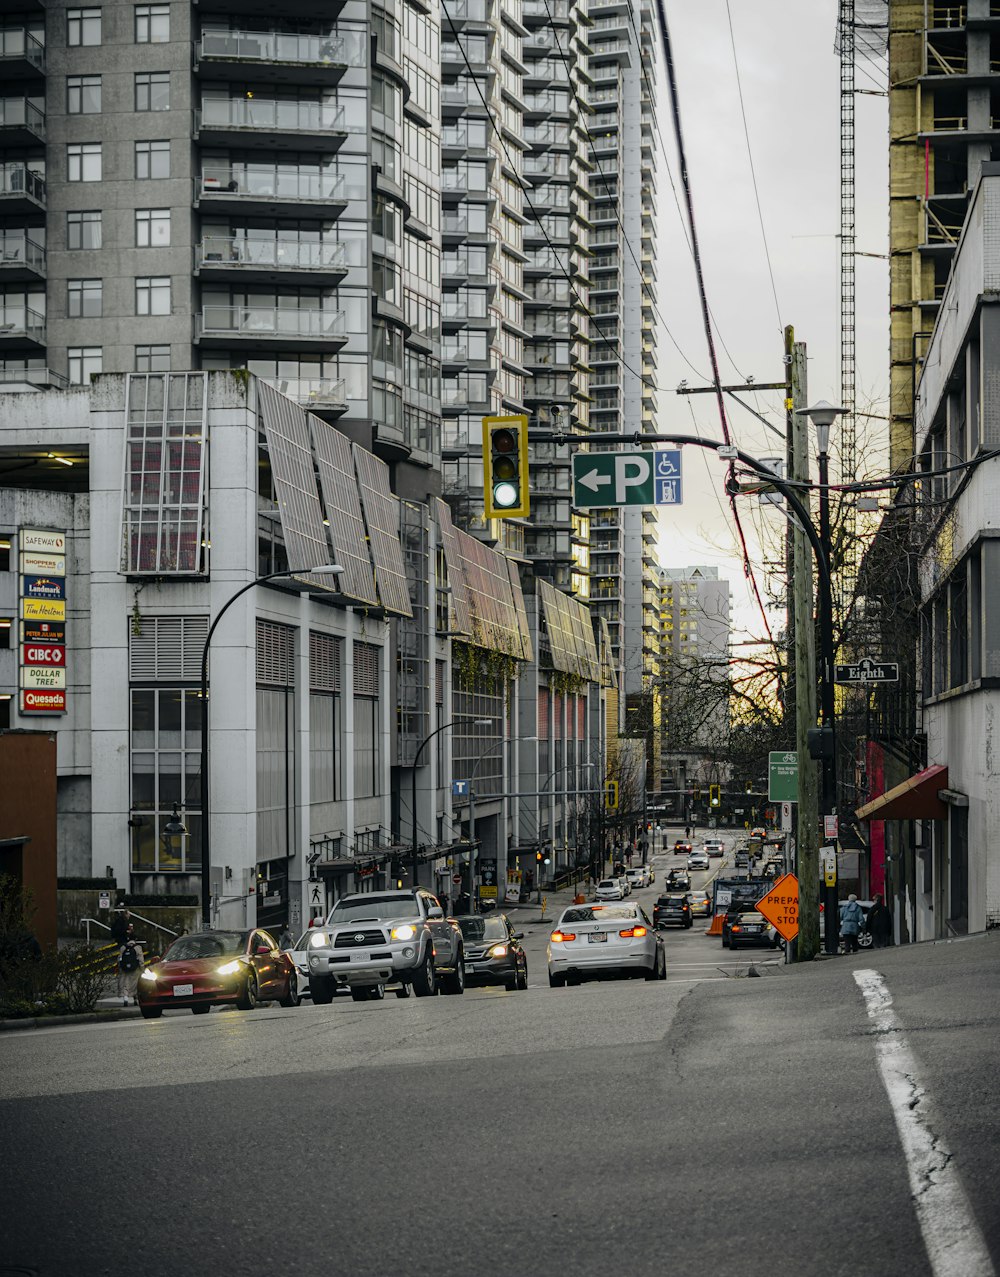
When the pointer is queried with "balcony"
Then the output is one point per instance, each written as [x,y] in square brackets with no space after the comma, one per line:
[21,258]
[321,10]
[323,396]
[21,123]
[304,125]
[279,56]
[21,54]
[21,190]
[270,189]
[20,327]
[266,326]
[219,256]
[19,380]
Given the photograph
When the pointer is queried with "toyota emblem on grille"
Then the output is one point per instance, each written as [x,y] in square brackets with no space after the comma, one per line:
[360,936]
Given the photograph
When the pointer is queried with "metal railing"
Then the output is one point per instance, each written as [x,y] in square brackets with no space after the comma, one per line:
[18,179]
[275,254]
[296,115]
[40,377]
[18,42]
[21,321]
[21,250]
[283,46]
[273,182]
[104,926]
[17,112]
[316,392]
[277,321]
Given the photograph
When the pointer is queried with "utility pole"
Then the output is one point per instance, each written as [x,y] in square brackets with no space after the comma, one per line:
[807,835]
[790,406]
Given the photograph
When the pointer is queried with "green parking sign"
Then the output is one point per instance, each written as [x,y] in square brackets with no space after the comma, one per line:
[782,776]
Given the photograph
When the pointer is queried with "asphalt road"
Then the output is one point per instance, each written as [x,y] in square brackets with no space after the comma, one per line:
[709,1124]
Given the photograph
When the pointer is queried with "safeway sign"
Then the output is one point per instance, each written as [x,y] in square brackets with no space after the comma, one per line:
[781,906]
[627,478]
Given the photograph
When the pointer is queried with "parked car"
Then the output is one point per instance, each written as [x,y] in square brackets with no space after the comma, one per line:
[493,951]
[211,968]
[386,937]
[751,928]
[601,939]
[672,910]
[609,889]
[697,860]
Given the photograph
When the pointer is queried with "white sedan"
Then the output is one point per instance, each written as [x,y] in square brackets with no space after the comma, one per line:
[610,889]
[602,938]
[697,860]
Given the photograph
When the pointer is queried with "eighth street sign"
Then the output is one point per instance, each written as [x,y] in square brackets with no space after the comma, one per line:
[867,670]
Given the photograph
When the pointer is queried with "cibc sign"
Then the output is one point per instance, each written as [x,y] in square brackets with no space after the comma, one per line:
[43,621]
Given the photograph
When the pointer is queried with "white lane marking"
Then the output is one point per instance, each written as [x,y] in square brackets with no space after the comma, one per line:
[955,1245]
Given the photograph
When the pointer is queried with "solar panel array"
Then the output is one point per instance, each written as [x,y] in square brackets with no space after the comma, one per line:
[381,511]
[460,620]
[570,634]
[343,510]
[609,677]
[286,428]
[491,597]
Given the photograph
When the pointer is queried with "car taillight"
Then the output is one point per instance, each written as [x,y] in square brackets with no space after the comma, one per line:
[635,932]
[735,928]
[558,936]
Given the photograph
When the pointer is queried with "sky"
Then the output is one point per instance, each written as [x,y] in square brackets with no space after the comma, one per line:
[790,77]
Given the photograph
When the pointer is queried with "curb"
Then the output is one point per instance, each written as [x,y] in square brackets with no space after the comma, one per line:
[54,1021]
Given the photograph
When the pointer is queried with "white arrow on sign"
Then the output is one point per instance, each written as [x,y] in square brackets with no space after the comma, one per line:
[624,481]
[593,480]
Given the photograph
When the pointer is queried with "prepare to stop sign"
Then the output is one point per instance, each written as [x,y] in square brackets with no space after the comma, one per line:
[780,906]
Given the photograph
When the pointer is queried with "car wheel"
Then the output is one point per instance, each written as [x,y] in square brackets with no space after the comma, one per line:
[663,965]
[654,971]
[725,942]
[425,978]
[291,998]
[376,993]
[865,940]
[522,979]
[732,945]
[360,994]
[454,981]
[403,991]
[151,1013]
[556,981]
[202,1008]
[320,990]
[248,1000]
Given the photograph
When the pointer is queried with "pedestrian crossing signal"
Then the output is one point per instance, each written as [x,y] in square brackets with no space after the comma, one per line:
[505,466]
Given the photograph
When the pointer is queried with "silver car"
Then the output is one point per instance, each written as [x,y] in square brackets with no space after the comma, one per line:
[597,939]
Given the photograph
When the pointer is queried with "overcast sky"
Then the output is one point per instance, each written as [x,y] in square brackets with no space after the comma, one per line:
[790,78]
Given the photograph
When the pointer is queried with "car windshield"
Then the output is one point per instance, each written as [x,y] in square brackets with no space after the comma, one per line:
[751,917]
[214,944]
[608,882]
[676,900]
[483,928]
[599,913]
[374,907]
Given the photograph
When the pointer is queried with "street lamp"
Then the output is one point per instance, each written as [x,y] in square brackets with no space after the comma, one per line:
[414,858]
[325,569]
[823,415]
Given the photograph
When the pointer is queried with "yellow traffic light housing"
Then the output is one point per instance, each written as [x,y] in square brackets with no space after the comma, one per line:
[611,795]
[505,467]
[715,795]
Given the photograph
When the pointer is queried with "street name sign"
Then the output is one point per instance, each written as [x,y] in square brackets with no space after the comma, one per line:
[780,906]
[867,670]
[627,478]
[783,776]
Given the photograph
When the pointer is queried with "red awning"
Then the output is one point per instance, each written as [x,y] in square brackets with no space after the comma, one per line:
[915,799]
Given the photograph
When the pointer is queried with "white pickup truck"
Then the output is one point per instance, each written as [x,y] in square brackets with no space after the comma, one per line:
[385,937]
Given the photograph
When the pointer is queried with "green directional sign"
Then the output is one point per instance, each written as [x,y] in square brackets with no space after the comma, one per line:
[782,776]
[613,478]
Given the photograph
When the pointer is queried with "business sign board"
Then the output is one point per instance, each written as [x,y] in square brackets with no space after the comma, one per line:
[43,609]
[44,564]
[39,539]
[42,632]
[43,701]
[42,676]
[43,587]
[52,654]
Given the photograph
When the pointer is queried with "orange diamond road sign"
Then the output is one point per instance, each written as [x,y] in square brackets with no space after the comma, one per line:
[781,906]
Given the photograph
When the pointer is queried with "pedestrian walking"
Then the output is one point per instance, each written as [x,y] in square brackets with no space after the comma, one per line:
[130,960]
[851,921]
[286,940]
[879,923]
[120,920]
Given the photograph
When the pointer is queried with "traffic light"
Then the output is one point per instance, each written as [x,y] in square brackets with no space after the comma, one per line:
[715,796]
[538,855]
[505,465]
[611,795]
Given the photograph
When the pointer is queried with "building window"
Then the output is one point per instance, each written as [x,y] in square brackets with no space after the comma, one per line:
[84,362]
[152,23]
[166,771]
[83,26]
[83,162]
[83,94]
[152,358]
[152,295]
[83,230]
[83,298]
[152,91]
[152,228]
[367,737]
[152,159]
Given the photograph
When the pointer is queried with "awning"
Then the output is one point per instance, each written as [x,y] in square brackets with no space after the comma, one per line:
[915,799]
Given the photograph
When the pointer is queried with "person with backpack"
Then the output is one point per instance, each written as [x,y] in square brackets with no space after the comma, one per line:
[130,960]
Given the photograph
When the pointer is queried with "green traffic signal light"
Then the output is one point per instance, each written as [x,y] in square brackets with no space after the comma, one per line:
[505,461]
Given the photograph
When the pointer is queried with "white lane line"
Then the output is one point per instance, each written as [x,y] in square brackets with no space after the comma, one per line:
[955,1245]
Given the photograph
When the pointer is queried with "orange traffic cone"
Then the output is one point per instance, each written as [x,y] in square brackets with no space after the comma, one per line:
[716,926]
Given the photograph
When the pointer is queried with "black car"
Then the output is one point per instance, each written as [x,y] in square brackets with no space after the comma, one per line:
[750,928]
[493,951]
[678,880]
[672,909]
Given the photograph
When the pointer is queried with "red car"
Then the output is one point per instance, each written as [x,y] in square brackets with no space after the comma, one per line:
[208,968]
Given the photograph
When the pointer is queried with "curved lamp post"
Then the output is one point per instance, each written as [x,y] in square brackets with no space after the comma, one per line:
[326,569]
[414,858]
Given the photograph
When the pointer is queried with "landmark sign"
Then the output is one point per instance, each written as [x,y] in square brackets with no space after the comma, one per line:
[627,478]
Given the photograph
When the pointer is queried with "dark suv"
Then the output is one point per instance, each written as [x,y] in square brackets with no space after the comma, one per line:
[672,910]
[493,951]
